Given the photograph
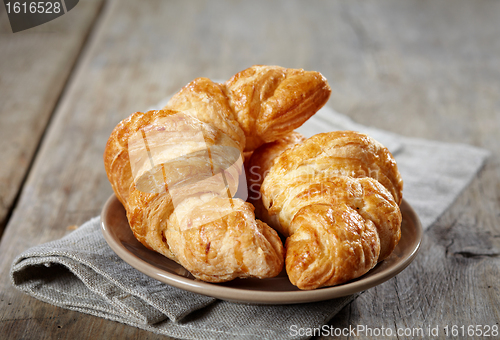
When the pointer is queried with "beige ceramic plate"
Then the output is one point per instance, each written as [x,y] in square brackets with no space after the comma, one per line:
[276,290]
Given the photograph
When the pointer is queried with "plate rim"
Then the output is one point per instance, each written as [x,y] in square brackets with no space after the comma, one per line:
[240,295]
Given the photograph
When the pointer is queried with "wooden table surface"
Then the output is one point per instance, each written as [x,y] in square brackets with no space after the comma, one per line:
[428,69]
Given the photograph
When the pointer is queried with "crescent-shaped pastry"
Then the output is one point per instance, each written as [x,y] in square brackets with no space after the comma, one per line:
[179,171]
[336,197]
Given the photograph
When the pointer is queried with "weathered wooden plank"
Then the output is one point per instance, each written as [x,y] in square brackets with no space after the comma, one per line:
[435,76]
[34,67]
[426,69]
[70,162]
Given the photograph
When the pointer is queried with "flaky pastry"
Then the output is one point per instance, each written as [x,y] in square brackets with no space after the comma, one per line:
[335,196]
[177,170]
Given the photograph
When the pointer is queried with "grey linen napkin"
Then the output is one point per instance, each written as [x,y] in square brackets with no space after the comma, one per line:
[80,272]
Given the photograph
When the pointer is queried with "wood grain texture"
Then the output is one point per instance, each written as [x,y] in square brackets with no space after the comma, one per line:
[34,67]
[420,68]
[435,74]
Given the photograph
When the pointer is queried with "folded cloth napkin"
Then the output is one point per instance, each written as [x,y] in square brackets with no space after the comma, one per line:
[80,272]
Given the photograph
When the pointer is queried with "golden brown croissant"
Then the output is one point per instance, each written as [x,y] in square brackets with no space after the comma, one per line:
[336,197]
[177,170]
[267,102]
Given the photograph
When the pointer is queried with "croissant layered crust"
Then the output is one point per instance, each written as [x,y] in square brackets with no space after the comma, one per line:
[212,235]
[336,197]
[263,102]
[177,171]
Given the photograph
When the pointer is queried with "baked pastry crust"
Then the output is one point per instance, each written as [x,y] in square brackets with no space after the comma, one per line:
[202,226]
[257,166]
[336,197]
[267,102]
[231,244]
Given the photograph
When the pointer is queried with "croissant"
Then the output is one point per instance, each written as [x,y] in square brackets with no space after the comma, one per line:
[335,196]
[265,102]
[178,171]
